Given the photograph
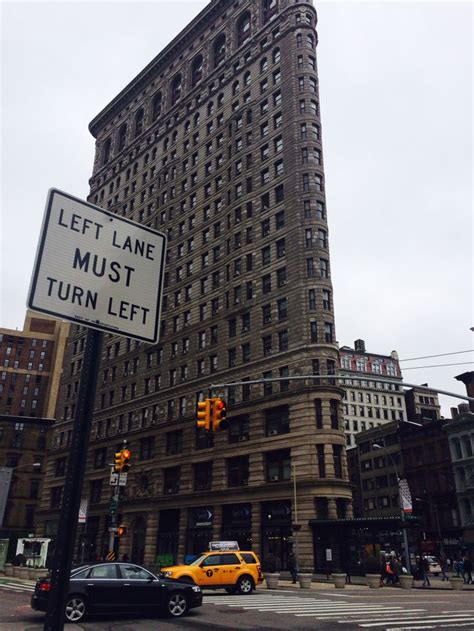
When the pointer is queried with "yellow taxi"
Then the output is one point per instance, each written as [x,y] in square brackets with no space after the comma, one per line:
[223,567]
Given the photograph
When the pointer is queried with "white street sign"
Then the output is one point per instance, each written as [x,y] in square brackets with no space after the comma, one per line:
[98,269]
[114,477]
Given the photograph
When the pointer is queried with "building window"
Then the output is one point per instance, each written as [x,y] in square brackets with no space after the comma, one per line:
[238,471]
[105,158]
[239,429]
[171,479]
[99,458]
[95,491]
[219,50]
[243,29]
[321,461]
[146,447]
[277,420]
[278,465]
[139,116]
[157,105]
[55,497]
[176,86]
[203,476]
[196,70]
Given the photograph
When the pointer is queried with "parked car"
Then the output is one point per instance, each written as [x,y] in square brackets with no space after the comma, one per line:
[435,567]
[119,588]
[234,570]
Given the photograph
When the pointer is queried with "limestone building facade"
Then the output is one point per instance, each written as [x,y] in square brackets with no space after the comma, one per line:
[217,142]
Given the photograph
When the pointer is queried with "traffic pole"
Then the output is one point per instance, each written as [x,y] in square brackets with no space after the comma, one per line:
[68,518]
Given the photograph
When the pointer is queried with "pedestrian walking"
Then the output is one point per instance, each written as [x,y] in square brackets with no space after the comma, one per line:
[425,568]
[443,563]
[292,566]
[467,569]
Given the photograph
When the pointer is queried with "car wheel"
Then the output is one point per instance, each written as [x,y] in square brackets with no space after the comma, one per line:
[245,585]
[75,608]
[177,605]
[230,590]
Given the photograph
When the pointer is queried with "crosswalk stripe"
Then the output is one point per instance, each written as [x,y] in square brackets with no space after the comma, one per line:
[444,620]
[21,588]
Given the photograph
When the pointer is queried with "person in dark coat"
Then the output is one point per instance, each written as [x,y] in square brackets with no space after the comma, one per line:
[292,566]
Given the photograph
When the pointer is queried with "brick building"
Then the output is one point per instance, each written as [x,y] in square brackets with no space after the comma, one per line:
[217,142]
[30,372]
[420,454]
[23,441]
[369,403]
[31,364]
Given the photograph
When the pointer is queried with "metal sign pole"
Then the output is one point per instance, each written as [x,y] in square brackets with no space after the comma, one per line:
[65,538]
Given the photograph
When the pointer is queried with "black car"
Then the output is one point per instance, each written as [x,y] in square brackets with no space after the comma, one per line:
[119,587]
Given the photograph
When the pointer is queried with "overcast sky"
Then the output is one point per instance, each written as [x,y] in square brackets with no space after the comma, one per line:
[396,106]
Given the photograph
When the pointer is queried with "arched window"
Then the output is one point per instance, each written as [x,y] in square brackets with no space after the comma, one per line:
[243,29]
[269,9]
[196,70]
[247,78]
[276,56]
[299,40]
[263,64]
[210,108]
[157,105]
[235,88]
[196,119]
[139,122]
[122,137]
[309,41]
[219,50]
[176,89]
[106,151]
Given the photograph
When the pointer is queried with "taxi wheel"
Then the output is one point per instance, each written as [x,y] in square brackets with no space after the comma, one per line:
[245,585]
[176,605]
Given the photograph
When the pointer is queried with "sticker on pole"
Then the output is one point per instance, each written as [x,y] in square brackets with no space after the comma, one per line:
[97,269]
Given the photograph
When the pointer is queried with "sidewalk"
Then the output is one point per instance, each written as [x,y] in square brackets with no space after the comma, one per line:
[321,583]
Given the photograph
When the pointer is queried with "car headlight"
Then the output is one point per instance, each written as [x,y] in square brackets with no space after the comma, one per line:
[196,588]
[167,573]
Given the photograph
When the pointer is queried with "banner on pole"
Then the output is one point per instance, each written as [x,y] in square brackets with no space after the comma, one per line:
[83,511]
[405,496]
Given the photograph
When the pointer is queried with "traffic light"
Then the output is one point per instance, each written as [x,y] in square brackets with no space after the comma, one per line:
[204,415]
[219,415]
[125,460]
[113,506]
[118,461]
[121,530]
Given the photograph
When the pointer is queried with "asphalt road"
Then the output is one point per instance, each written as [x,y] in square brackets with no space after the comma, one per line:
[388,609]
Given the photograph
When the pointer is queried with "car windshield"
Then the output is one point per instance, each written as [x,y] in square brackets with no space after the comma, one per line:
[198,560]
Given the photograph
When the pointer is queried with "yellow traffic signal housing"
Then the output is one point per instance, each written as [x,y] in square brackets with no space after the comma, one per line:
[125,460]
[204,415]
[118,461]
[219,421]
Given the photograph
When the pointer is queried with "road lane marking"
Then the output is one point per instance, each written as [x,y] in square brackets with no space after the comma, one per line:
[428,619]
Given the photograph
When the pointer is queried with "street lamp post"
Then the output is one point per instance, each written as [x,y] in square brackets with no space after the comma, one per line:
[438,525]
[404,530]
